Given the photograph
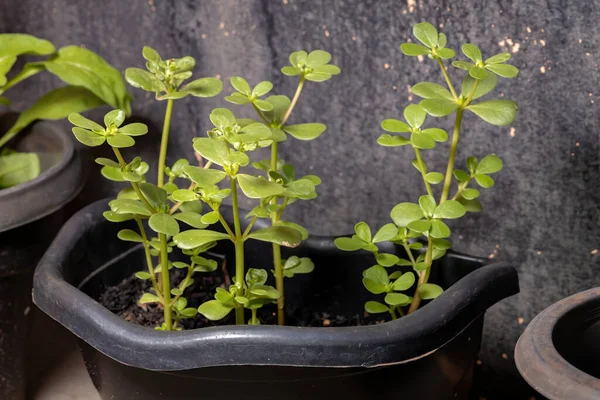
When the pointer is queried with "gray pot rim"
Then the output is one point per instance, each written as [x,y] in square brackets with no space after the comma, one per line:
[542,366]
[61,182]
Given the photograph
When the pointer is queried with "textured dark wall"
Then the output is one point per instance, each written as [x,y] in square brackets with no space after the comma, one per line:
[543,213]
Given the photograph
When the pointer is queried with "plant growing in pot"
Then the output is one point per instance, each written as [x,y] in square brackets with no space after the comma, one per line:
[354,357]
[41,169]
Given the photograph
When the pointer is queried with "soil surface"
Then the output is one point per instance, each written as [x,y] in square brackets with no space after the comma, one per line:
[122,299]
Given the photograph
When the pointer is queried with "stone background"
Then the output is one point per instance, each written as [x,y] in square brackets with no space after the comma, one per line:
[542,215]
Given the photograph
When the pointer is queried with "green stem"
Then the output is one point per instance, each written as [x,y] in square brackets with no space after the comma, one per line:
[447,77]
[393,313]
[166,281]
[164,141]
[279,278]
[188,276]
[260,114]
[423,277]
[294,100]
[409,252]
[452,158]
[149,263]
[29,70]
[134,185]
[254,322]
[423,171]
[239,251]
[249,227]
[462,187]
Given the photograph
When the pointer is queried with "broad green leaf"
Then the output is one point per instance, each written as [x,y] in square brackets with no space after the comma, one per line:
[19,43]
[484,181]
[301,189]
[114,117]
[204,177]
[504,70]
[374,287]
[430,90]
[81,67]
[303,231]
[484,87]
[397,299]
[298,58]
[212,150]
[143,275]
[442,40]
[363,231]
[164,223]
[450,209]
[303,265]
[318,58]
[134,129]
[317,77]
[114,217]
[464,65]
[375,307]
[127,206]
[472,51]
[414,115]
[240,84]
[308,131]
[387,260]
[439,229]
[348,244]
[495,112]
[328,69]
[392,141]
[438,107]
[262,88]
[470,194]
[256,276]
[54,105]
[429,291]
[413,49]
[404,282]
[291,71]
[107,162]
[377,274]
[405,213]
[498,58]
[445,53]
[255,187]
[149,298]
[471,205]
[88,138]
[17,168]
[150,54]
[461,175]
[263,105]
[184,195]
[387,232]
[112,174]
[395,126]
[280,105]
[82,122]
[489,165]
[281,235]
[119,141]
[420,226]
[478,73]
[214,310]
[472,164]
[144,80]
[203,87]
[437,134]
[238,98]
[421,141]
[434,177]
[192,219]
[197,237]
[129,235]
[427,204]
[211,217]
[155,195]
[221,117]
[427,34]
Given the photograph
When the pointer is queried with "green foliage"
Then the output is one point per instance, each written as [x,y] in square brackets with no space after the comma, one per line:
[426,219]
[91,82]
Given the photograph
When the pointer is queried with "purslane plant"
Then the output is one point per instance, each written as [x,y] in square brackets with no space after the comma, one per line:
[426,217]
[92,83]
[274,111]
[226,149]
[144,201]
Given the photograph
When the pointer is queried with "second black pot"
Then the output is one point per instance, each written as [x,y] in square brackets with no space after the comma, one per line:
[429,354]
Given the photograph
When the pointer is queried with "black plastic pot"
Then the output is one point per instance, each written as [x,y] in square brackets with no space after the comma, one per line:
[427,355]
[29,220]
[559,352]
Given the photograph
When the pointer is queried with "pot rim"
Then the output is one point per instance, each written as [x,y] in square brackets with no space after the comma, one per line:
[69,159]
[399,341]
[542,366]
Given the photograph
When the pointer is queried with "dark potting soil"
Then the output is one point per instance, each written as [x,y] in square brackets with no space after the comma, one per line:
[122,300]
